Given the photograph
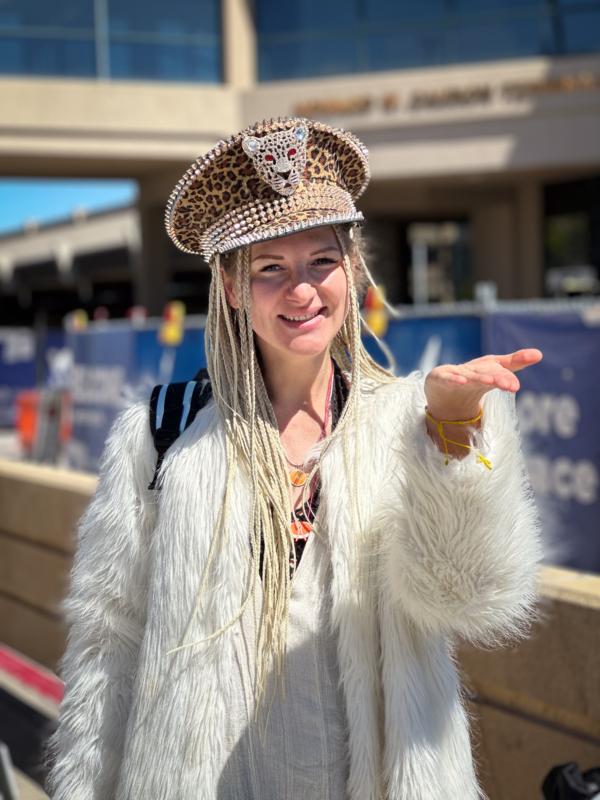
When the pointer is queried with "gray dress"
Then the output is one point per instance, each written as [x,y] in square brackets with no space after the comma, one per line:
[303,752]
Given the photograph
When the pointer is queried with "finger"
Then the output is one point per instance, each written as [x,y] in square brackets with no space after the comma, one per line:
[470,372]
[502,378]
[446,374]
[520,359]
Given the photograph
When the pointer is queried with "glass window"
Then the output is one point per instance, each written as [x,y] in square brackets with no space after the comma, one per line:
[392,34]
[407,49]
[567,239]
[147,39]
[22,56]
[303,16]
[166,62]
[308,58]
[381,11]
[37,13]
[477,6]
[512,38]
[175,17]
[582,31]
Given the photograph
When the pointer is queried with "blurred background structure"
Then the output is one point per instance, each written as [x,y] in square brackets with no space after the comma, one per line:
[481,119]
[483,124]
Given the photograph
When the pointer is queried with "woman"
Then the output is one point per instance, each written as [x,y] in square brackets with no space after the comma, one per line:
[279,619]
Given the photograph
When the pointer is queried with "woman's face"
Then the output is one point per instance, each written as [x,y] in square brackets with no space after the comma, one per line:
[299,292]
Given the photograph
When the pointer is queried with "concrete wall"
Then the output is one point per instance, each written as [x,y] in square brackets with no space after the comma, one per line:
[471,119]
[533,705]
[537,704]
[40,506]
[109,129]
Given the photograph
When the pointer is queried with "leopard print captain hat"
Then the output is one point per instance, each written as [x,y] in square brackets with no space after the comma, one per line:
[274,178]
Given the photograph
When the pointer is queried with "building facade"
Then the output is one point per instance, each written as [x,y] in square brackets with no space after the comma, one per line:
[482,119]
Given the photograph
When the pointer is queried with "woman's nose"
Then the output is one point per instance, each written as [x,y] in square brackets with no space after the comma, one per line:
[300,285]
[301,291]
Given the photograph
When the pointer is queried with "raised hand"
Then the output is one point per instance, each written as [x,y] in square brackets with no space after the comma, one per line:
[454,391]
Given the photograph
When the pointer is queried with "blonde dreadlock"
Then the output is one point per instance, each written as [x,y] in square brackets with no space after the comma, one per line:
[252,437]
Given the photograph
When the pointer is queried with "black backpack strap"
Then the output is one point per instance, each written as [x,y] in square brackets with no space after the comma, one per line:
[173,408]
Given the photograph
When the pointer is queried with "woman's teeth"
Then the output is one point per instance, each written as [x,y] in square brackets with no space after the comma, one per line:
[301,319]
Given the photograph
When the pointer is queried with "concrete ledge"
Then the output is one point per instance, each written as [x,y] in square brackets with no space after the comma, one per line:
[533,705]
[536,704]
[41,503]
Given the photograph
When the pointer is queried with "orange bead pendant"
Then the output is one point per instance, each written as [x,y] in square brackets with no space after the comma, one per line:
[300,529]
[298,477]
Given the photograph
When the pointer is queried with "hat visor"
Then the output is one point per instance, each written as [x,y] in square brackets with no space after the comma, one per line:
[288,226]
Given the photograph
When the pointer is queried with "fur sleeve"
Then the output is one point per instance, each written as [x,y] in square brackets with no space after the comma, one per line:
[105,611]
[462,543]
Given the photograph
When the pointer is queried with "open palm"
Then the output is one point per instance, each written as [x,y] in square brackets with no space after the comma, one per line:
[455,390]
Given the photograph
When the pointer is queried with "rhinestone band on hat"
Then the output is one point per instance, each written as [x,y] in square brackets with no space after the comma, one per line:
[326,203]
[263,234]
[261,212]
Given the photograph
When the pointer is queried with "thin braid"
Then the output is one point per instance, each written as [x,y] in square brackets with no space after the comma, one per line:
[253,442]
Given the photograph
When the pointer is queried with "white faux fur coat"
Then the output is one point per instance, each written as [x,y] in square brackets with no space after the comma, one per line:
[450,551]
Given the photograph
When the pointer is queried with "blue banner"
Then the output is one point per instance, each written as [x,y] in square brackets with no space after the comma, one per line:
[423,342]
[114,364]
[558,417]
[25,362]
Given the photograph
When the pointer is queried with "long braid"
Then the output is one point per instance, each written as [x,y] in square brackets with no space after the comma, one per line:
[253,442]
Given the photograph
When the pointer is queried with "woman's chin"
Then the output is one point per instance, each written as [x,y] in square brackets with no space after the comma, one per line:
[308,349]
[307,346]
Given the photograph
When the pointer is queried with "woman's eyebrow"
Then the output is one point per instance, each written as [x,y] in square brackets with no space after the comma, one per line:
[316,253]
[264,255]
[326,249]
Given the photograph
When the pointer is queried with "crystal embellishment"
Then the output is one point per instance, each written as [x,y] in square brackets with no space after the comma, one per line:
[279,157]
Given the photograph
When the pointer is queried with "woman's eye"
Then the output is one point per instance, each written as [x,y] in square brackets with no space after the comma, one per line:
[271,268]
[324,261]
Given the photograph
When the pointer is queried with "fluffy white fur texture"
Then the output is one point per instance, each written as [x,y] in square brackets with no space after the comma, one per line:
[442,552]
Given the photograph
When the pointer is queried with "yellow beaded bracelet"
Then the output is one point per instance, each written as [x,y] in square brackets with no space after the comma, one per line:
[439,423]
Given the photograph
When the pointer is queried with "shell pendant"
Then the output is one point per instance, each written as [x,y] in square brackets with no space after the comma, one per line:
[298,477]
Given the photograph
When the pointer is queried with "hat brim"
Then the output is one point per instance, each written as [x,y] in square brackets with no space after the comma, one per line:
[289,227]
[313,205]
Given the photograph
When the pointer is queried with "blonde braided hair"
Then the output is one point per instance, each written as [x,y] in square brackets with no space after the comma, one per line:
[252,436]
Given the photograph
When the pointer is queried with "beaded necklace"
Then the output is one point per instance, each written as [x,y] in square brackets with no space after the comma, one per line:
[303,516]
[298,474]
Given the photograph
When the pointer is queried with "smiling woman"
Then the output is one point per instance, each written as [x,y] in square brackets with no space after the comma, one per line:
[299,294]
[204,660]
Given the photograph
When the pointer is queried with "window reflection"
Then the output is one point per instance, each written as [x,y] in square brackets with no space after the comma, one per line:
[36,13]
[164,61]
[175,18]
[394,34]
[145,39]
[21,56]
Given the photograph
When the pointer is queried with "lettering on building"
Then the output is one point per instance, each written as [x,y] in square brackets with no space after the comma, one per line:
[479,94]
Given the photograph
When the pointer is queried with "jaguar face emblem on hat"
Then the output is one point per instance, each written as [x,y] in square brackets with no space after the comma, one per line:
[279,158]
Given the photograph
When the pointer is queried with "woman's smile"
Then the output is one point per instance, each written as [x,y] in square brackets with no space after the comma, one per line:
[306,321]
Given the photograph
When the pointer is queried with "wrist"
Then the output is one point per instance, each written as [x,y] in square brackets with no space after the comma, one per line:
[454,414]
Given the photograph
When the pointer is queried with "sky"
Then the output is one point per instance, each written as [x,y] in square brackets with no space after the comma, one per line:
[50,199]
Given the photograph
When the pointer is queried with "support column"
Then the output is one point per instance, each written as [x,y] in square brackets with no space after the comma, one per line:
[494,246]
[152,263]
[384,256]
[530,240]
[239,44]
